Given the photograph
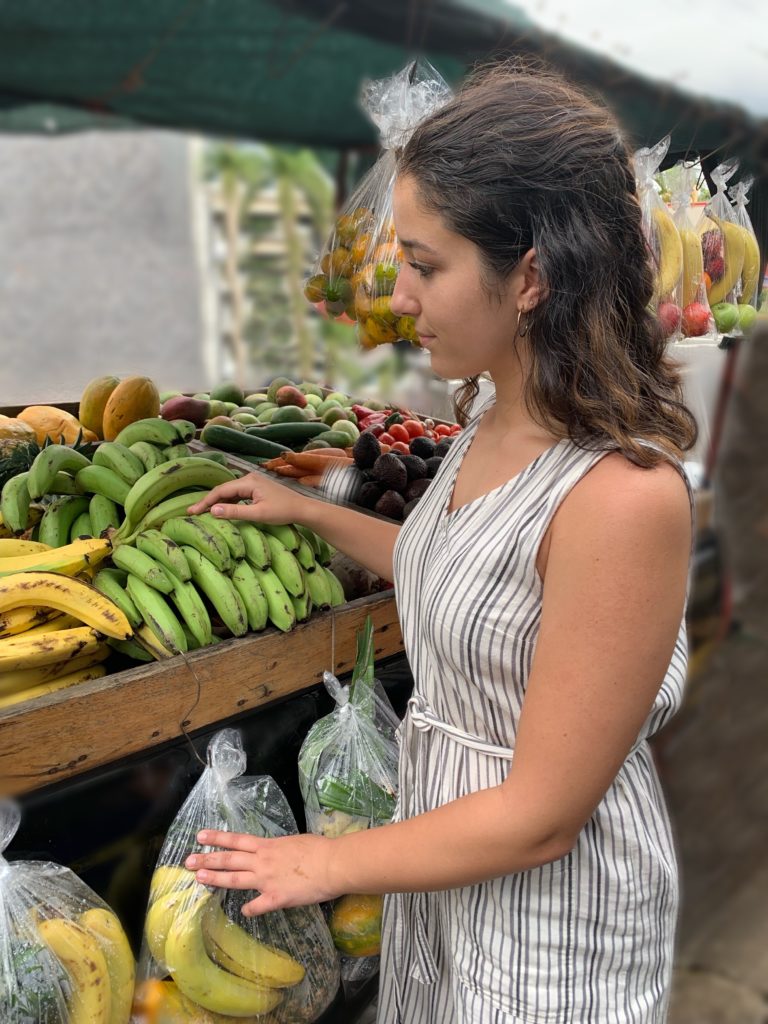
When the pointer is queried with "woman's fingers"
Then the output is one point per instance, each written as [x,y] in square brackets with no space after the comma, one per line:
[242,488]
[228,879]
[230,841]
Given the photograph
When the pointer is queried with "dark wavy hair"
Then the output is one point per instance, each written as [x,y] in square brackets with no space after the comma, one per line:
[522,159]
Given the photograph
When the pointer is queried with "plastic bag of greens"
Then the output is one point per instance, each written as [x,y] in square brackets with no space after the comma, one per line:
[201,959]
[662,237]
[750,272]
[64,957]
[695,316]
[357,271]
[723,249]
[348,779]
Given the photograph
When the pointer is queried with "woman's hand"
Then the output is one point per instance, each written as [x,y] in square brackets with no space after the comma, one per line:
[270,502]
[292,871]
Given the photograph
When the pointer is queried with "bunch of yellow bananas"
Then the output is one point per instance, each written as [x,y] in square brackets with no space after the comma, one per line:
[215,964]
[98,960]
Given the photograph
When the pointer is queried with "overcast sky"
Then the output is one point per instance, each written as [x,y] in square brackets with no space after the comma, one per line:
[708,47]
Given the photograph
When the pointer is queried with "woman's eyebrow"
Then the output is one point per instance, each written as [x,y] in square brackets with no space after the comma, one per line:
[416,245]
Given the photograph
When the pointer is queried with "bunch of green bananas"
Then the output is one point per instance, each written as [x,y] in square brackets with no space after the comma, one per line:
[83,497]
[98,960]
[213,961]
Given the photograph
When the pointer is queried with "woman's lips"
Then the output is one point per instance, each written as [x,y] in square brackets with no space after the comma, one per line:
[427,339]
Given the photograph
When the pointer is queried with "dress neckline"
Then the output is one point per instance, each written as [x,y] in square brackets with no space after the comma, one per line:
[449,513]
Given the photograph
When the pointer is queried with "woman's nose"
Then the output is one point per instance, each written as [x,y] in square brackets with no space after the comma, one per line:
[403,302]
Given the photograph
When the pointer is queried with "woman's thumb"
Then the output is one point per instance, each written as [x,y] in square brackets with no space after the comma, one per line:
[239,511]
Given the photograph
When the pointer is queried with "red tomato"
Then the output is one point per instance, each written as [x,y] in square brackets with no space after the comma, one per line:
[456,429]
[399,433]
[414,427]
[442,430]
[401,446]
[386,438]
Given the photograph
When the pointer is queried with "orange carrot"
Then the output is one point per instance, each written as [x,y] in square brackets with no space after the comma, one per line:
[274,463]
[292,471]
[315,461]
[325,452]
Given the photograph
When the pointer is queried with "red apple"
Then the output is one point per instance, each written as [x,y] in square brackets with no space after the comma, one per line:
[669,315]
[696,317]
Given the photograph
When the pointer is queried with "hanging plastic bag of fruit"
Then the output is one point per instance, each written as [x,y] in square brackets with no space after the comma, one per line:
[357,271]
[749,287]
[695,318]
[200,957]
[662,237]
[723,252]
[348,779]
[64,957]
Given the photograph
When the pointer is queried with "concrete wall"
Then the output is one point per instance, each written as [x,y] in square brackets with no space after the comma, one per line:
[98,265]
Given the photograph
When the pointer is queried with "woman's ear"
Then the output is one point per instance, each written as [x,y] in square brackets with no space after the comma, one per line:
[532,288]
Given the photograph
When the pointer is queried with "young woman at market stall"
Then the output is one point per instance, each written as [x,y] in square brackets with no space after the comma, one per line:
[540,585]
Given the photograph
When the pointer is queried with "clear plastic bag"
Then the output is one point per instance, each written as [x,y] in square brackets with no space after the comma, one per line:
[356,273]
[723,249]
[201,959]
[662,237]
[64,957]
[696,319]
[749,286]
[348,779]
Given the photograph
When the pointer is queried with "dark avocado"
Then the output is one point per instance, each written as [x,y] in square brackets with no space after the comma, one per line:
[390,504]
[415,467]
[416,488]
[391,472]
[442,446]
[424,447]
[366,450]
[433,465]
[410,506]
[369,494]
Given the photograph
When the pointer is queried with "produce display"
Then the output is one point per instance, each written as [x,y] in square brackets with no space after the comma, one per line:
[102,557]
[695,318]
[199,953]
[357,272]
[348,779]
[64,957]
[749,286]
[724,246]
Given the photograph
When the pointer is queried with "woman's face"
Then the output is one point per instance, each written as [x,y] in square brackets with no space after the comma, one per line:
[440,284]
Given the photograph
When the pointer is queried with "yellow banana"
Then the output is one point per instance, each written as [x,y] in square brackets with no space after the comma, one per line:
[750,274]
[203,981]
[693,266]
[69,560]
[81,675]
[119,957]
[54,625]
[163,911]
[19,620]
[152,643]
[670,252]
[167,878]
[233,948]
[26,678]
[11,547]
[72,596]
[80,955]
[733,243]
[25,651]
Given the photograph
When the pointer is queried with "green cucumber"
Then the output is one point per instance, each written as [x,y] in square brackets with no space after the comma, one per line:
[293,434]
[238,442]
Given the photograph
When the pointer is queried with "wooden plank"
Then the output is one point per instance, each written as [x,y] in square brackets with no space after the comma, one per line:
[100,721]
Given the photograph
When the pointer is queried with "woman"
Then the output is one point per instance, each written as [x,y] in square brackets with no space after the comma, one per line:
[540,584]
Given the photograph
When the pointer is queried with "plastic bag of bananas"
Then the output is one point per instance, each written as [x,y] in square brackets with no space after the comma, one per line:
[201,959]
[64,957]
[664,243]
[348,780]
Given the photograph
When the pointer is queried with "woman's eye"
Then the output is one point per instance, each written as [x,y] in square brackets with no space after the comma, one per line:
[421,269]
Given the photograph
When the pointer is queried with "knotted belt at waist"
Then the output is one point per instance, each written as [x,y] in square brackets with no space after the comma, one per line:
[424,718]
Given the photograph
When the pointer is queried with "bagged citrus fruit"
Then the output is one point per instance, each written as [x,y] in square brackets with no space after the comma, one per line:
[749,286]
[64,957]
[356,273]
[723,248]
[662,237]
[201,959]
[695,318]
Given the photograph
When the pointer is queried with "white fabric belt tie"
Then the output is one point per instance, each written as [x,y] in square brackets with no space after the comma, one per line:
[424,719]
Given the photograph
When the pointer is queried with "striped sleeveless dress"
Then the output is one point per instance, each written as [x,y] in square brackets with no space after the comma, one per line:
[587,939]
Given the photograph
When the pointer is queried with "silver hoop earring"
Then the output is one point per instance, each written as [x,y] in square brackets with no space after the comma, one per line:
[522,324]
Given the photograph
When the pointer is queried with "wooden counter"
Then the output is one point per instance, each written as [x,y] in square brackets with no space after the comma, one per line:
[97,722]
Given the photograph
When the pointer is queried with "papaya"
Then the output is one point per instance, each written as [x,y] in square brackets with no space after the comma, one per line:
[135,398]
[356,925]
[93,401]
[48,421]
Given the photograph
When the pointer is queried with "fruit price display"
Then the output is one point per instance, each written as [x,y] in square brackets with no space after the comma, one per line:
[64,957]
[201,960]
